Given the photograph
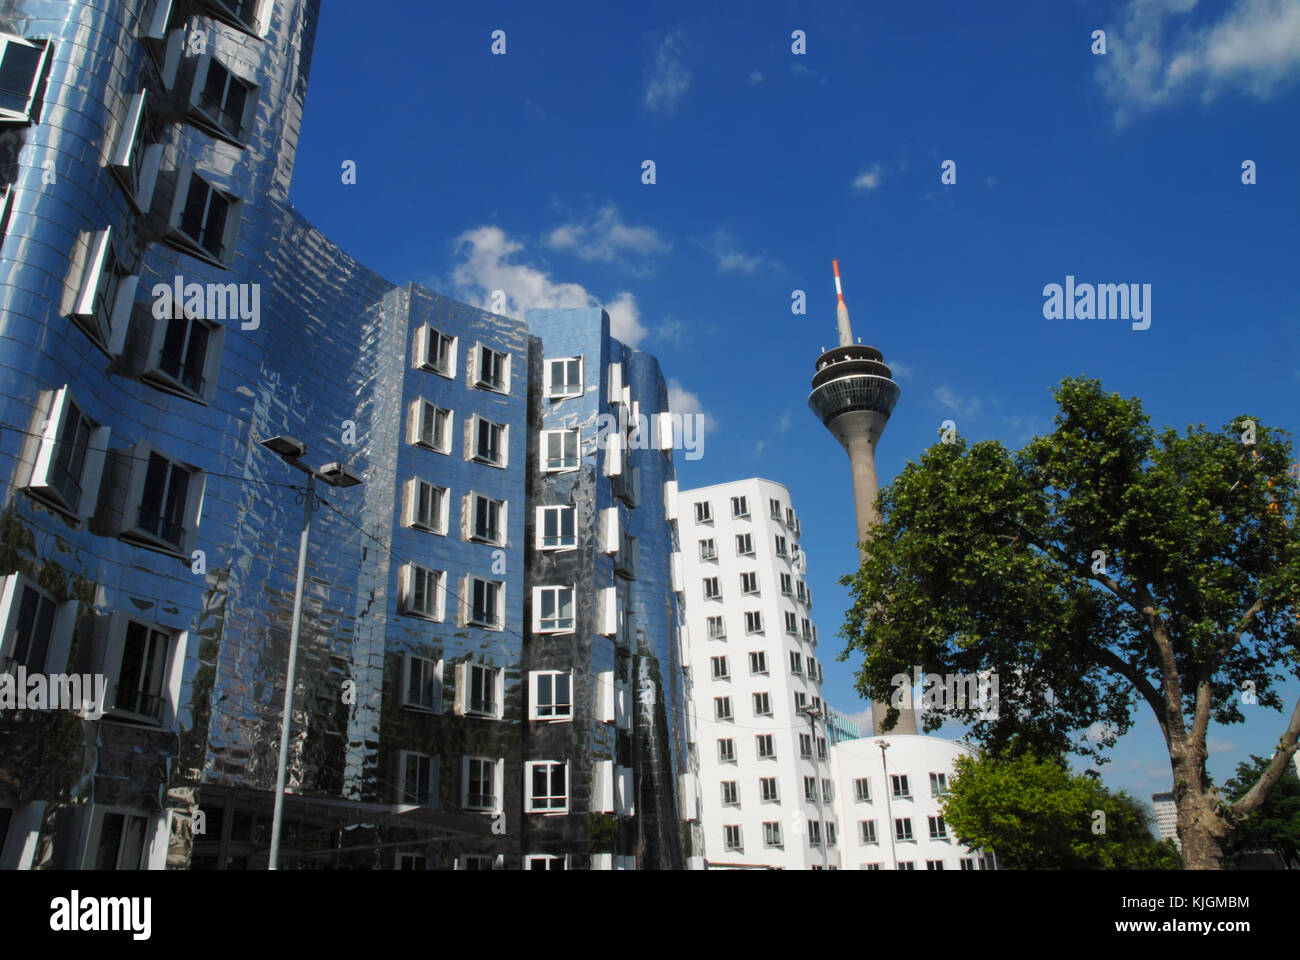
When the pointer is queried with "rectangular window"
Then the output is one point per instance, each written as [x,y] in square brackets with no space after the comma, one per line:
[828,791]
[721,708]
[805,746]
[762,705]
[753,622]
[421,593]
[720,668]
[772,833]
[800,701]
[435,351]
[559,450]
[548,790]
[205,219]
[493,370]
[775,506]
[417,778]
[226,102]
[739,507]
[780,546]
[247,15]
[711,589]
[807,628]
[968,863]
[768,790]
[564,377]
[726,751]
[69,460]
[934,864]
[830,833]
[867,829]
[871,866]
[556,528]
[164,498]
[121,842]
[792,626]
[481,699]
[898,781]
[27,636]
[105,291]
[484,603]
[480,789]
[426,506]
[553,609]
[938,829]
[786,584]
[707,550]
[703,512]
[423,682]
[142,674]
[764,744]
[821,748]
[731,836]
[744,545]
[938,784]
[802,592]
[430,426]
[552,697]
[796,663]
[862,789]
[906,865]
[545,862]
[749,583]
[717,628]
[489,519]
[21,64]
[903,828]
[489,442]
[730,793]
[810,789]
[757,662]
[814,833]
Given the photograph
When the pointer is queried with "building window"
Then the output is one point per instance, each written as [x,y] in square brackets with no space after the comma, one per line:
[106,291]
[764,744]
[482,690]
[753,622]
[871,866]
[478,861]
[898,781]
[707,550]
[142,673]
[780,546]
[796,663]
[551,695]
[739,507]
[968,863]
[800,701]
[805,746]
[768,789]
[548,790]
[703,512]
[731,836]
[749,583]
[711,589]
[492,369]
[21,64]
[556,528]
[867,829]
[119,840]
[70,457]
[421,593]
[435,351]
[205,219]
[744,545]
[165,497]
[722,708]
[934,864]
[553,609]
[484,607]
[222,102]
[792,627]
[730,793]
[545,861]
[772,833]
[762,705]
[247,15]
[717,628]
[830,833]
[807,628]
[726,750]
[938,784]
[862,789]
[814,833]
[430,426]
[828,791]
[480,778]
[802,592]
[28,628]
[489,441]
[810,789]
[775,506]
[412,861]
[786,584]
[564,378]
[426,506]
[938,829]
[417,778]
[489,519]
[720,668]
[559,450]
[821,748]
[422,682]
[757,662]
[903,828]
[625,561]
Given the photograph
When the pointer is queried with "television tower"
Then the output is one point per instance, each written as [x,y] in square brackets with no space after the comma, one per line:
[853,393]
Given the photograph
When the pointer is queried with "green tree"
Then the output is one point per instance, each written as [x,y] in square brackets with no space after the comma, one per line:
[1035,815]
[1101,566]
[1275,824]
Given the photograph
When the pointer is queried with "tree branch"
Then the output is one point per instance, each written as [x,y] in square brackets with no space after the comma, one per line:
[1286,746]
[1129,672]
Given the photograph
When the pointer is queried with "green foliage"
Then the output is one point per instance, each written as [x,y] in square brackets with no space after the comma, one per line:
[1036,815]
[1276,824]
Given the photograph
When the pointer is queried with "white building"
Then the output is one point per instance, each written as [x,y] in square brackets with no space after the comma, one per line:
[766,785]
[1166,817]
[888,793]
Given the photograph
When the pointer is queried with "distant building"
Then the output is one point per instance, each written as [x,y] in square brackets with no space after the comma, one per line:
[1166,817]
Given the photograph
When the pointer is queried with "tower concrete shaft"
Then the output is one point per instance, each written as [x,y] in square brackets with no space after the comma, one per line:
[854,393]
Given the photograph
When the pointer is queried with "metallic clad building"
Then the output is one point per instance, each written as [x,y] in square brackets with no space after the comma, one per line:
[148,538]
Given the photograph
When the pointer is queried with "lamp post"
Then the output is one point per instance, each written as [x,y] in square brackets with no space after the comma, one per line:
[889,809]
[812,713]
[336,475]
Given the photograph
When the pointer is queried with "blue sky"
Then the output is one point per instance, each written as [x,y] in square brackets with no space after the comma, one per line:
[523,172]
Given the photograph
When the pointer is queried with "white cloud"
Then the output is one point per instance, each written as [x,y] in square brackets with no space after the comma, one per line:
[669,79]
[486,254]
[731,259]
[755,78]
[868,179]
[759,448]
[963,406]
[671,330]
[606,237]
[1154,57]
[900,370]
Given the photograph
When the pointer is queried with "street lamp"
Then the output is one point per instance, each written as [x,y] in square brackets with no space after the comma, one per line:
[812,713]
[336,475]
[889,809]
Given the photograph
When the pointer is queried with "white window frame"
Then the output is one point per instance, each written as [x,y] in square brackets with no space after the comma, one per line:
[938,784]
[867,833]
[559,512]
[8,39]
[482,382]
[722,711]
[749,583]
[781,547]
[425,337]
[753,621]
[431,782]
[758,663]
[413,491]
[744,545]
[703,511]
[719,669]
[730,793]
[712,589]
[764,746]
[220,10]
[462,862]
[464,681]
[422,411]
[535,709]
[721,623]
[772,834]
[134,162]
[13,590]
[557,626]
[551,806]
[897,781]
[156,376]
[471,453]
[177,235]
[212,122]
[54,410]
[546,858]
[762,703]
[131,531]
[173,664]
[733,837]
[937,820]
[774,507]
[565,389]
[739,507]
[496,767]
[729,754]
[431,671]
[467,604]
[406,592]
[708,549]
[565,463]
[787,585]
[471,510]
[900,823]
[153,852]
[769,796]
[862,789]
[98,259]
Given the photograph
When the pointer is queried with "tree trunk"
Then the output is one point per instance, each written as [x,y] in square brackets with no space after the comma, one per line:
[1201,827]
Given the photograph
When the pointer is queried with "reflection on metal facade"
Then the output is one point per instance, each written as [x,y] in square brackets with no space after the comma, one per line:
[148,537]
